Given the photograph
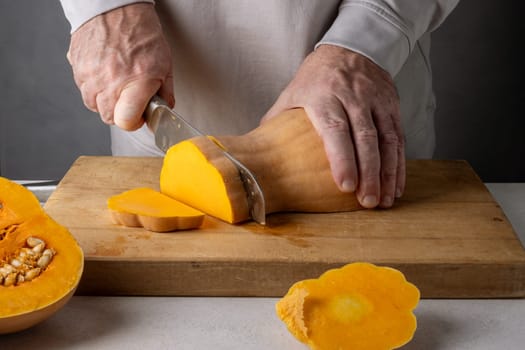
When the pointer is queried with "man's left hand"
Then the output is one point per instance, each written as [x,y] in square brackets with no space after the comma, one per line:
[354,106]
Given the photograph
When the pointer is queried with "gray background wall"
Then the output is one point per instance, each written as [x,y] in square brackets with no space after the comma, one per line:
[477,61]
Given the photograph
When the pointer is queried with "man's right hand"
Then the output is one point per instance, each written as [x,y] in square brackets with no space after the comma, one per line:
[120,59]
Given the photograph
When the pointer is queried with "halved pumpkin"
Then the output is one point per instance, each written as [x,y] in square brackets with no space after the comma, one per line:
[40,261]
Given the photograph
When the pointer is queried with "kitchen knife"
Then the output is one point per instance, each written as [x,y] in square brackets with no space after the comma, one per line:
[170,128]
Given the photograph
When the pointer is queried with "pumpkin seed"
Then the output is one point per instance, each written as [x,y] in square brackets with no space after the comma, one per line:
[4,272]
[49,251]
[10,279]
[26,252]
[16,263]
[43,261]
[20,279]
[8,268]
[24,259]
[33,241]
[39,247]
[32,273]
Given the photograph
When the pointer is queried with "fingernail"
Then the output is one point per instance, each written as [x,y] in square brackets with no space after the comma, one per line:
[348,186]
[370,201]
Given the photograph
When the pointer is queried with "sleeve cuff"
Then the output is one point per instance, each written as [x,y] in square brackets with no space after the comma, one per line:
[79,12]
[372,31]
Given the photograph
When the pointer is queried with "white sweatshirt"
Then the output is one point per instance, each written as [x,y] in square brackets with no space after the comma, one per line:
[232,58]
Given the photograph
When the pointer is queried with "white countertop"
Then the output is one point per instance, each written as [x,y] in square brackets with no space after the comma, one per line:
[251,324]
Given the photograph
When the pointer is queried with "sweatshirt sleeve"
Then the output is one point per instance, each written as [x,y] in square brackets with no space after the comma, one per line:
[79,12]
[386,31]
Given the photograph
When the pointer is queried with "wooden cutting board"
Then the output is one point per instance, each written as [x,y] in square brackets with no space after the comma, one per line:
[447,234]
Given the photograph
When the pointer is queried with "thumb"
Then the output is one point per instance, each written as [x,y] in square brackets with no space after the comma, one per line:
[132,102]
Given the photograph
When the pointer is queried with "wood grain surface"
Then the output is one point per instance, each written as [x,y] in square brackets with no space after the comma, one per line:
[447,234]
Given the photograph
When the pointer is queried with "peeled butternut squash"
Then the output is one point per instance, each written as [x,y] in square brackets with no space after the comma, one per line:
[145,207]
[286,156]
[40,261]
[359,306]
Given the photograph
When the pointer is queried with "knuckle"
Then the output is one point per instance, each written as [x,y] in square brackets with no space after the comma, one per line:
[106,114]
[89,100]
[369,179]
[342,158]
[401,143]
[370,170]
[389,138]
[333,124]
[366,135]
[370,174]
[389,174]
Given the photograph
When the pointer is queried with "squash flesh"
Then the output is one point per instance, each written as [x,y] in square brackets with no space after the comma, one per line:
[359,306]
[194,178]
[13,210]
[145,207]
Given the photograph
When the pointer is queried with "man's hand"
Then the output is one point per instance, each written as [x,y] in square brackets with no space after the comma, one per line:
[354,106]
[120,59]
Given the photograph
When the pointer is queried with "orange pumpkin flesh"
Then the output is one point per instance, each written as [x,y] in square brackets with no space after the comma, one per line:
[145,207]
[196,172]
[358,306]
[286,156]
[26,304]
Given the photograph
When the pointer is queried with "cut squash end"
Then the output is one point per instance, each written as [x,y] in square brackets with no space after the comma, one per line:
[190,174]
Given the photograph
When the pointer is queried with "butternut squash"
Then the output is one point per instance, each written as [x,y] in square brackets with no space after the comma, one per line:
[145,207]
[40,261]
[286,155]
[359,306]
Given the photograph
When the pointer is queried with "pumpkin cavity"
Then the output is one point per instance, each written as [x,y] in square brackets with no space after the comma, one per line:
[26,263]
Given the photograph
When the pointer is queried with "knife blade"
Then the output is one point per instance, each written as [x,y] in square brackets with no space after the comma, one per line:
[169,128]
